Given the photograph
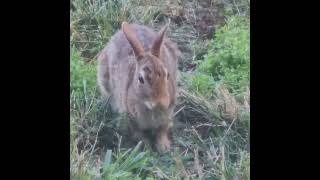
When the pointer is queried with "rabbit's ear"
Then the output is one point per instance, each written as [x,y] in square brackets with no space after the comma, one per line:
[133,40]
[156,47]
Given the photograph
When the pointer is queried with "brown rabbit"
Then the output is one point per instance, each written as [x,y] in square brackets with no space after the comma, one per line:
[137,69]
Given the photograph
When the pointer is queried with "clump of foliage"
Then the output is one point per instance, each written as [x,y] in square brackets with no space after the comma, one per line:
[228,58]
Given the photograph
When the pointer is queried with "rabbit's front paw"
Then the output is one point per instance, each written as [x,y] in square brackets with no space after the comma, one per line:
[163,144]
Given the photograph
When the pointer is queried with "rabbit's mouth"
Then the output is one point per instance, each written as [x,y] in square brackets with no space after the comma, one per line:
[150,105]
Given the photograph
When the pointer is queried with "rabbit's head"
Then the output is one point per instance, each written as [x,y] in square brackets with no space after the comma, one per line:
[151,80]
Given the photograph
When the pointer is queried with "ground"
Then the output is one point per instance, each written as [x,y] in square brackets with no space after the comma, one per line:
[210,131]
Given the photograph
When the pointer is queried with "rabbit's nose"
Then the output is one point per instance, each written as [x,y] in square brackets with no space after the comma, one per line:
[164,103]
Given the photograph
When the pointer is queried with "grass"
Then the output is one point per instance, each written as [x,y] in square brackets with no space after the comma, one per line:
[212,119]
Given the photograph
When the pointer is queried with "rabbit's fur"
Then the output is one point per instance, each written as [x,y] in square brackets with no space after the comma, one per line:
[137,69]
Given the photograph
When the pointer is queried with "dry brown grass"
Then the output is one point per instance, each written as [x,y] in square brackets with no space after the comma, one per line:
[227,103]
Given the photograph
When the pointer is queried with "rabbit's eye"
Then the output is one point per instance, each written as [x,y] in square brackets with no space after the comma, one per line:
[147,69]
[141,79]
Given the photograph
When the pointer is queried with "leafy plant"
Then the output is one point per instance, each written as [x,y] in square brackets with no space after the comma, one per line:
[228,58]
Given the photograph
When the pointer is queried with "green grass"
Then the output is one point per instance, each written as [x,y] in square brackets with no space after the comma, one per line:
[212,120]
[82,75]
[93,23]
[226,138]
